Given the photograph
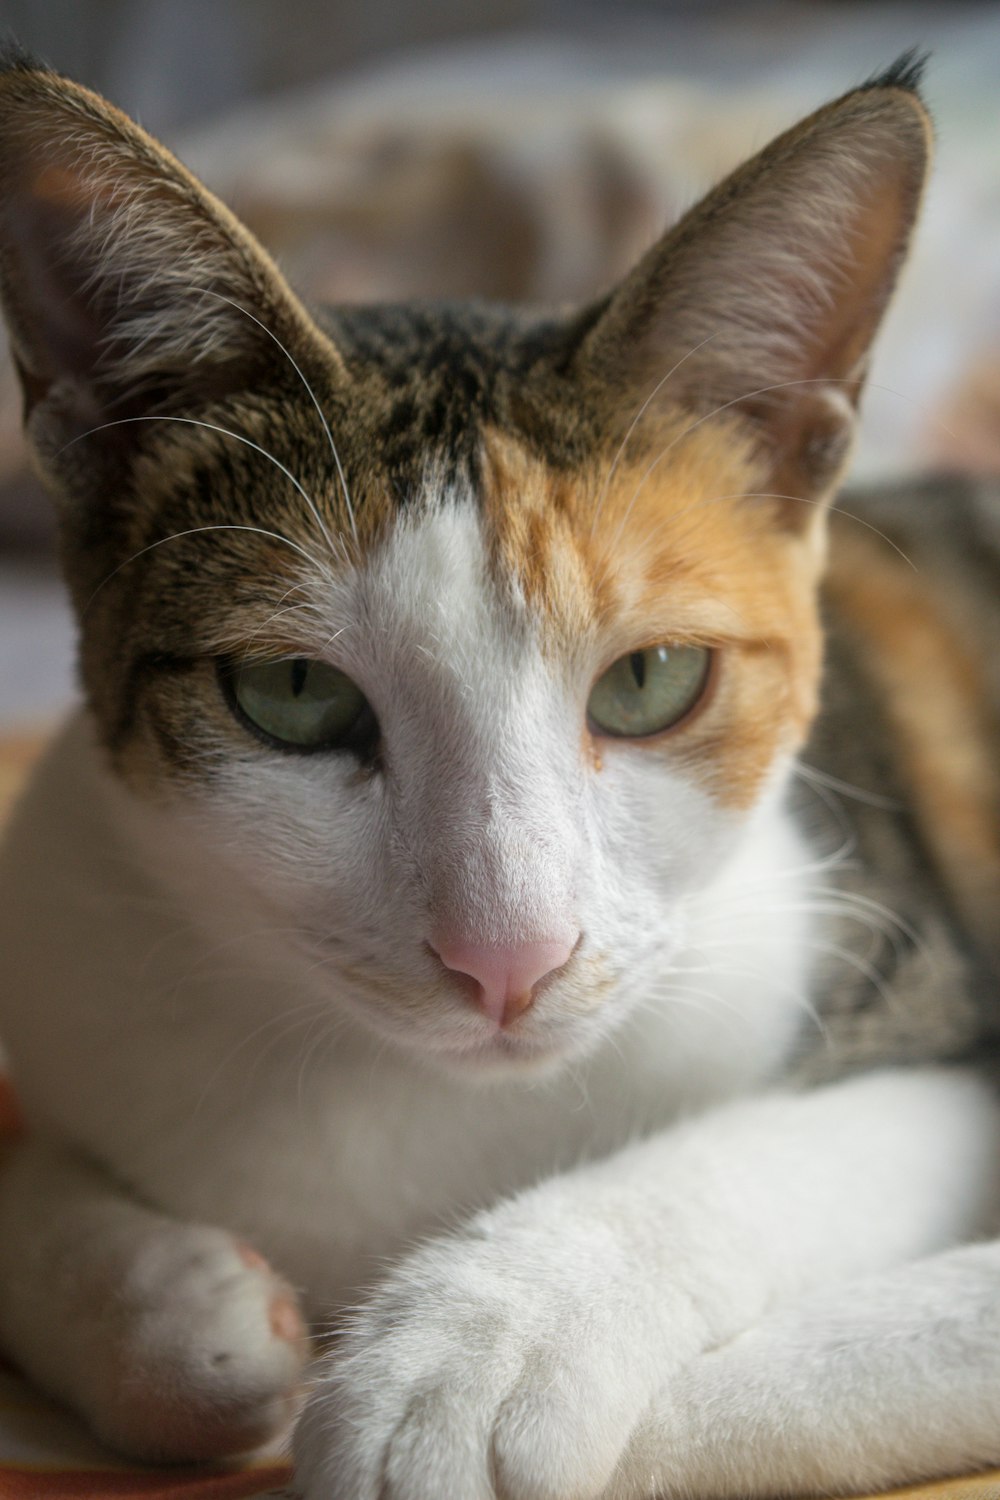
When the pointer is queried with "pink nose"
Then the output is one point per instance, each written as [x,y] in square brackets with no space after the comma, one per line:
[506,976]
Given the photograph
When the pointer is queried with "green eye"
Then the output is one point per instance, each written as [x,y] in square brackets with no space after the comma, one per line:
[647,691]
[301,703]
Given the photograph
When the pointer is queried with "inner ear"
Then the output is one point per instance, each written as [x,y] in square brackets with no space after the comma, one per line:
[128,288]
[805,439]
[763,302]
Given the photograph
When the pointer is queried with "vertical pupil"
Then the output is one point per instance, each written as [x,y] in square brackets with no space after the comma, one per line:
[637,661]
[300,671]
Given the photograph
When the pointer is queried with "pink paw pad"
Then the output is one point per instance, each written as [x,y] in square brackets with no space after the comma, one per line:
[285,1319]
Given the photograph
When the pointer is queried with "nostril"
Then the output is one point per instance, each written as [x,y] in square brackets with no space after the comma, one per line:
[506,975]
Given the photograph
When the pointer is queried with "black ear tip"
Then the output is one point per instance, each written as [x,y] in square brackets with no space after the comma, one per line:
[17,59]
[907,72]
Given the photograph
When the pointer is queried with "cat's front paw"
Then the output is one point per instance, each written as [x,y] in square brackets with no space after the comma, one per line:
[201,1354]
[509,1364]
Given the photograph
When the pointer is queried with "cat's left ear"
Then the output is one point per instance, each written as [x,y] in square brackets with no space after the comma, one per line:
[764,299]
[127,286]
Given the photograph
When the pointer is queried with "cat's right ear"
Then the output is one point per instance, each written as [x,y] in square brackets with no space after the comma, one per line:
[128,288]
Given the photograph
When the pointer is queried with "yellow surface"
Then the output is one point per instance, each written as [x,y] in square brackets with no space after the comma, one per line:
[974,1487]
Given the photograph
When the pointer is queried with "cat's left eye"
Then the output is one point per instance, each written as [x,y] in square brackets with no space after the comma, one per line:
[648,691]
[302,704]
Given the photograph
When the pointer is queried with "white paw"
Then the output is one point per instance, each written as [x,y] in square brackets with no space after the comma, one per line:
[509,1364]
[201,1351]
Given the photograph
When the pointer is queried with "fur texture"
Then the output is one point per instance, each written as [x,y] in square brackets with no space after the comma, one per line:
[228,993]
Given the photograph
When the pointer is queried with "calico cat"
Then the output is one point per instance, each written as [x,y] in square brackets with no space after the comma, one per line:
[431,874]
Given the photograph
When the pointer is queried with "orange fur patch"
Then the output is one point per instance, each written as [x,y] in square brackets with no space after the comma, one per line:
[936,701]
[673,545]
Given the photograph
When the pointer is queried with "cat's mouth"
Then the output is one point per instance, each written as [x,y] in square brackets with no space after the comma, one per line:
[503,1053]
[527,1047]
[444,1028]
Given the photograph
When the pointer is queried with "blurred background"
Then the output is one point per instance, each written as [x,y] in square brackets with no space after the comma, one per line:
[520,149]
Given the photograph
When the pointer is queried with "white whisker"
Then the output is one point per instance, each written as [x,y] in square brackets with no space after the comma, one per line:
[312,396]
[176,536]
[817,779]
[325,1027]
[225,432]
[304,605]
[635,422]
[735,401]
[287,1021]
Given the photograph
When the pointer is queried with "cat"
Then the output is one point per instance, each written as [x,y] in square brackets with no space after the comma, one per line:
[432,877]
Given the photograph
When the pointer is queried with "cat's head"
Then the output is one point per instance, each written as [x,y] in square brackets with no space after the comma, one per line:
[476,641]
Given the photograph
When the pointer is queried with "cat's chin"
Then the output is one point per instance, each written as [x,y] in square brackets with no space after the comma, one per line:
[504,1056]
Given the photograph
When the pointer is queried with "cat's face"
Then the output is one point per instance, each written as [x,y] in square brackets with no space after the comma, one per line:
[474,644]
[477,799]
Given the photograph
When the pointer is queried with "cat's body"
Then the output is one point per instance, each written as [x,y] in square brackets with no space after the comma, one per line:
[526,944]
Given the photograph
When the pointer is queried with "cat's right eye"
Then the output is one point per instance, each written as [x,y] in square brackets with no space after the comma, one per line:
[301,704]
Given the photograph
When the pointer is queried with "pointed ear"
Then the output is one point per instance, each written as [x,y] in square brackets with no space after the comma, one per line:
[765,298]
[122,278]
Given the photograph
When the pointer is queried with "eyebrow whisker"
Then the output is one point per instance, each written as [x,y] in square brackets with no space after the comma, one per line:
[195,531]
[312,396]
[226,432]
[635,422]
